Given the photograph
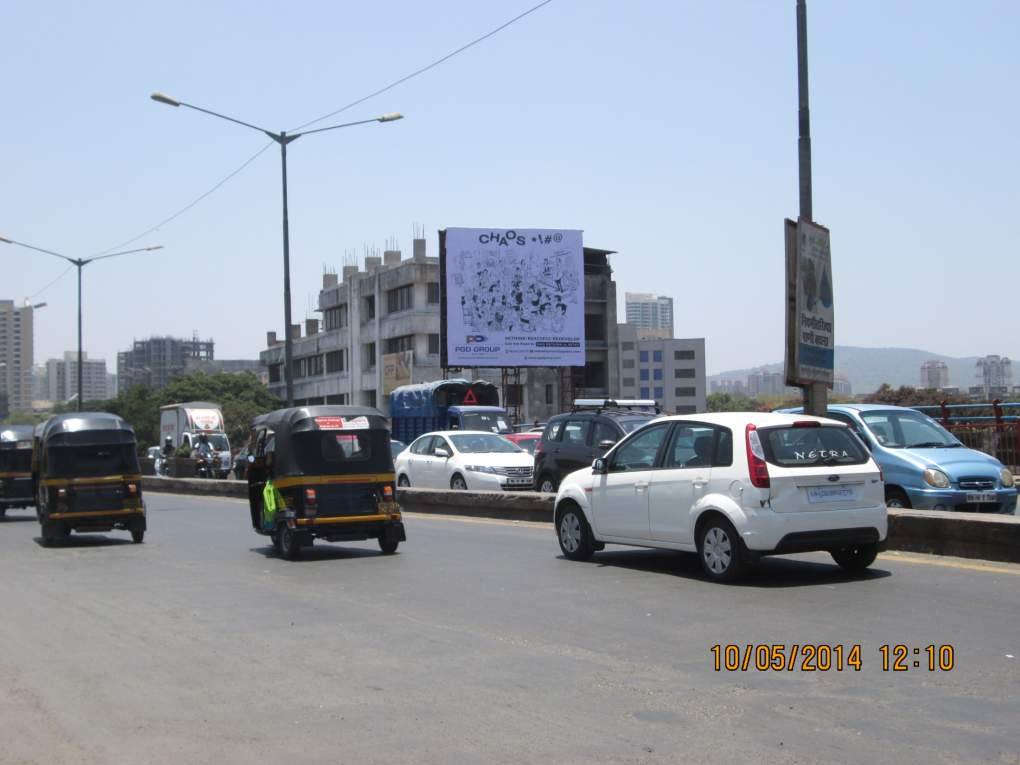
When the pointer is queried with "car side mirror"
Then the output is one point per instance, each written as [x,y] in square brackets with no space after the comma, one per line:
[607,444]
[441,453]
[598,467]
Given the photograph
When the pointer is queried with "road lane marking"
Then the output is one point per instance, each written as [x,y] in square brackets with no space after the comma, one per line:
[934,560]
[482,521]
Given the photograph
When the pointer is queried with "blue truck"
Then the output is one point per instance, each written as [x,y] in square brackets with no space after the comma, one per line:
[446,405]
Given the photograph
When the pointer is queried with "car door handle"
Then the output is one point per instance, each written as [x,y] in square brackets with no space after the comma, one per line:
[699,483]
[640,485]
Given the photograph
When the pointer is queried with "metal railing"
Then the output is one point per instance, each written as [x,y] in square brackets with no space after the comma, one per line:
[993,428]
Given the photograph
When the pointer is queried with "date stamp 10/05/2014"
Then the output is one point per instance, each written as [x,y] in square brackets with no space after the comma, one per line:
[827,657]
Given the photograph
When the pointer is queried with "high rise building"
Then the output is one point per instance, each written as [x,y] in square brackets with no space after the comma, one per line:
[62,378]
[934,375]
[995,375]
[158,360]
[651,315]
[16,355]
[671,371]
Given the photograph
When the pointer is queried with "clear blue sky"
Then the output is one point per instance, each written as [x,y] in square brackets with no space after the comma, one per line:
[665,130]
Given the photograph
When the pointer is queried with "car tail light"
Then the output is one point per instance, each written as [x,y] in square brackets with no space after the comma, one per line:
[311,502]
[387,492]
[539,447]
[756,467]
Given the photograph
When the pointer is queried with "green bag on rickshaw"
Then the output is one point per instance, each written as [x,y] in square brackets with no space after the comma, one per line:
[272,501]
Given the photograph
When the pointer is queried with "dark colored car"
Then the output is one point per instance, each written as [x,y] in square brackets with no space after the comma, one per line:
[241,463]
[573,440]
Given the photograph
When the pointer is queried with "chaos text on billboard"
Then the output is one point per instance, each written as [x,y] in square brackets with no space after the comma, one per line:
[810,332]
[512,297]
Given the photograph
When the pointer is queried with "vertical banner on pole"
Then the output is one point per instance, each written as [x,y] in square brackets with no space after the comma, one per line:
[810,337]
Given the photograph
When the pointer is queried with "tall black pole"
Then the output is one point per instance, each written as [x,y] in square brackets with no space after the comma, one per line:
[815,394]
[80,266]
[288,350]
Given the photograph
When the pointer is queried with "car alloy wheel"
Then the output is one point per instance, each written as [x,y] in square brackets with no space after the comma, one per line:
[717,550]
[547,486]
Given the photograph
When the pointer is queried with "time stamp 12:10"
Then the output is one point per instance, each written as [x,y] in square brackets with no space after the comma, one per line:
[825,657]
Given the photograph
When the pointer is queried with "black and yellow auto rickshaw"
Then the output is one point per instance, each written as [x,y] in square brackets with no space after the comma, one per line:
[87,476]
[323,472]
[16,467]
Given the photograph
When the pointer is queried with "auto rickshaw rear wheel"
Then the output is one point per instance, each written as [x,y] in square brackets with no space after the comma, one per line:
[290,542]
[137,533]
[53,531]
[388,546]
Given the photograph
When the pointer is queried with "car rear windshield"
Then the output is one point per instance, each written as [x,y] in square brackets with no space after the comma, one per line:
[825,445]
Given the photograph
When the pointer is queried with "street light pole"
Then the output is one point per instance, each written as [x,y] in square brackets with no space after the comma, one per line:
[283,139]
[80,263]
[815,393]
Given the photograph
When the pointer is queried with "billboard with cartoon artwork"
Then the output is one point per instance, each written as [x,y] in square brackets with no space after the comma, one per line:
[512,297]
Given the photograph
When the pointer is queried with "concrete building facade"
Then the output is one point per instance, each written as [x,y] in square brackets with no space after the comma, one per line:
[934,375]
[62,378]
[158,360]
[669,370]
[995,376]
[650,314]
[392,306]
[16,348]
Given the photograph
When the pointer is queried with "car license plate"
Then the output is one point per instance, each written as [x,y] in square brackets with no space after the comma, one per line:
[819,494]
[519,481]
[981,496]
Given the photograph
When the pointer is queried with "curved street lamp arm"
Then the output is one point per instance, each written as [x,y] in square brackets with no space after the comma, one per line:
[125,252]
[40,249]
[334,127]
[229,119]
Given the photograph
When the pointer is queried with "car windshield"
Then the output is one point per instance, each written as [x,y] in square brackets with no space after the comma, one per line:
[217,441]
[483,443]
[908,430]
[494,422]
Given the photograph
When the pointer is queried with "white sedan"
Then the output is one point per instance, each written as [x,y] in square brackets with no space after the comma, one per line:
[464,459]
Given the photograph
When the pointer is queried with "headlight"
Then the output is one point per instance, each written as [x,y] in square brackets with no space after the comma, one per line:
[1006,477]
[480,468]
[936,478]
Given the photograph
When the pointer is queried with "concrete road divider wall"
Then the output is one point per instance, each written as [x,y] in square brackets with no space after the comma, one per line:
[966,535]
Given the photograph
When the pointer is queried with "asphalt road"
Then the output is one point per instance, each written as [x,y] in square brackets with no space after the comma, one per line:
[478,643]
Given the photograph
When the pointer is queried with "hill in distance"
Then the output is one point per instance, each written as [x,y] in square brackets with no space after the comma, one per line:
[868,368]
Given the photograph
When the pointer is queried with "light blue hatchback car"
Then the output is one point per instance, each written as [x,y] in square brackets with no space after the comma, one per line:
[925,466]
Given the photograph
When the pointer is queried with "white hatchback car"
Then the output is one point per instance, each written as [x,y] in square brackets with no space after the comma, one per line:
[732,487]
[464,459]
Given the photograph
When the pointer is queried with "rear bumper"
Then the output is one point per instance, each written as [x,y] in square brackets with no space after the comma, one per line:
[956,499]
[766,531]
[354,530]
[100,520]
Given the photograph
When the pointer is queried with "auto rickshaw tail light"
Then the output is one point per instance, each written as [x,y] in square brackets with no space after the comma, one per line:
[311,502]
[387,492]
[132,488]
[61,492]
